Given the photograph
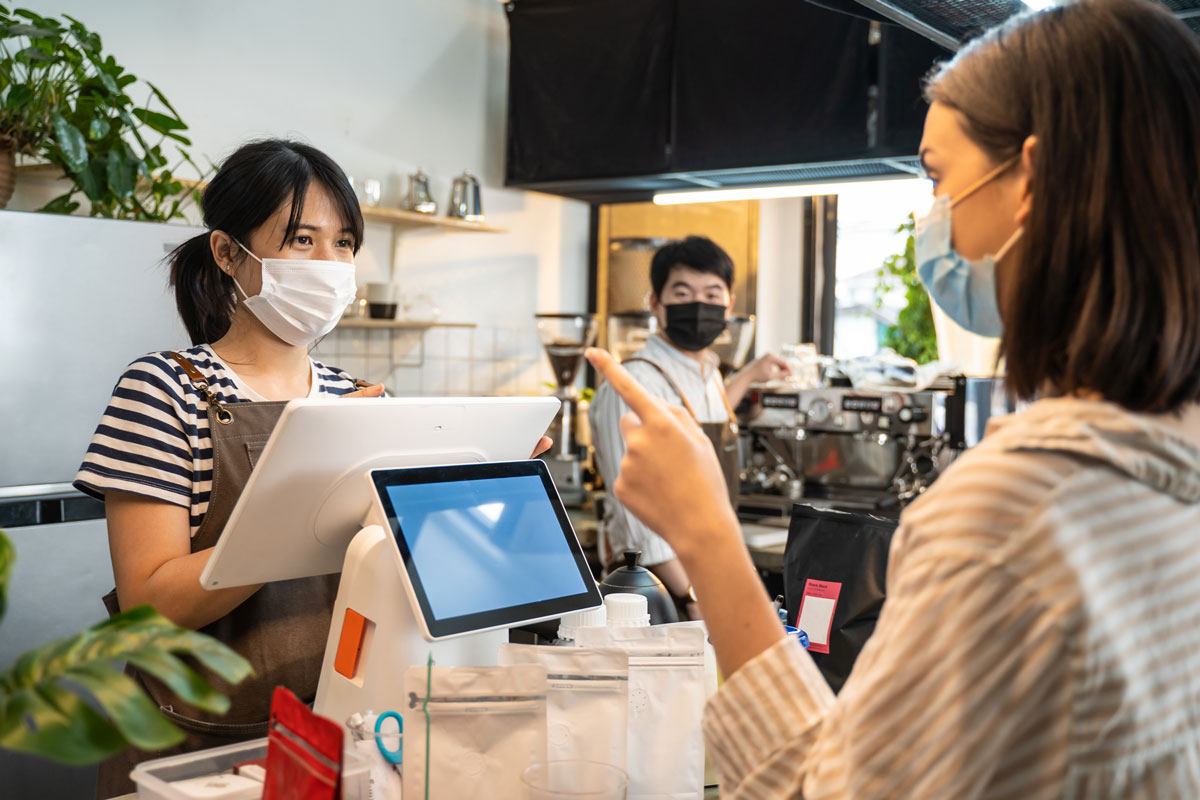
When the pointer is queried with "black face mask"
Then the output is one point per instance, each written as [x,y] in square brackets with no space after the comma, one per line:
[694,326]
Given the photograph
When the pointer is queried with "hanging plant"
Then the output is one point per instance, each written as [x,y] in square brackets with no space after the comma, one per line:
[64,101]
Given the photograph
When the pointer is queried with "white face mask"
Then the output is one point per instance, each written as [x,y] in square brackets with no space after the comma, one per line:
[301,299]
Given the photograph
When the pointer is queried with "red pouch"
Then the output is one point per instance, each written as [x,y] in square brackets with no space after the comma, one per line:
[304,752]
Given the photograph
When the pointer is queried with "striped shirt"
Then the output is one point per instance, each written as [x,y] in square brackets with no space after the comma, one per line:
[701,383]
[153,439]
[1040,639]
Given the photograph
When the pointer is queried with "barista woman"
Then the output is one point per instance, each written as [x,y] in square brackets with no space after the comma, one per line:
[1041,635]
[270,276]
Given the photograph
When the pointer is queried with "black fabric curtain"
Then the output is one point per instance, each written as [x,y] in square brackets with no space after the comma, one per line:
[589,88]
[768,82]
[625,88]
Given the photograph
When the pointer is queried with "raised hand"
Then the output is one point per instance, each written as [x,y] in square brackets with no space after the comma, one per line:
[670,478]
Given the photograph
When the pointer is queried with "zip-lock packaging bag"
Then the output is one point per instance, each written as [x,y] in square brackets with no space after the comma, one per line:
[711,685]
[470,731]
[587,700]
[665,750]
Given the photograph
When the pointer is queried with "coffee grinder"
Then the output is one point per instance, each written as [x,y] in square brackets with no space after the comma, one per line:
[565,337]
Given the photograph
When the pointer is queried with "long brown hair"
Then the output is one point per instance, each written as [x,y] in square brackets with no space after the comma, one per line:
[1104,293]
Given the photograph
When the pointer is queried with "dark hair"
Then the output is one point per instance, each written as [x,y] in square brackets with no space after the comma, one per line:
[248,188]
[1105,293]
[697,252]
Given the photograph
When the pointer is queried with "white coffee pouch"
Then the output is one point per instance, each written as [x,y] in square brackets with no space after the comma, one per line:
[665,748]
[587,699]
[479,727]
[711,684]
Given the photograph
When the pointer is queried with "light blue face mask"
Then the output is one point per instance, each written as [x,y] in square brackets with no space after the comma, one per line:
[963,288]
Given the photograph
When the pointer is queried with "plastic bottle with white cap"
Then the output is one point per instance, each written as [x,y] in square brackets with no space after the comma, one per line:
[569,623]
[627,610]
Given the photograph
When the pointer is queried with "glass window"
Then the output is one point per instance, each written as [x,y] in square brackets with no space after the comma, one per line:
[869,216]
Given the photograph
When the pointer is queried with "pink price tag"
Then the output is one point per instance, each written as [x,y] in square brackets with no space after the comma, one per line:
[816,613]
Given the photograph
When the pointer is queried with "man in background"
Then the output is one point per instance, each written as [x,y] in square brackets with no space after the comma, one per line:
[691,298]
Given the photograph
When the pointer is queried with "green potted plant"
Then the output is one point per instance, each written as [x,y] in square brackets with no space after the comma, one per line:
[912,335]
[67,701]
[64,101]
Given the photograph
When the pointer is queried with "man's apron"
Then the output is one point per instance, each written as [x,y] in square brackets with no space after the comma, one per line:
[723,435]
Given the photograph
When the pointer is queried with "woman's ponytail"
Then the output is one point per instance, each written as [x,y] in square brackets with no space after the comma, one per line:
[204,294]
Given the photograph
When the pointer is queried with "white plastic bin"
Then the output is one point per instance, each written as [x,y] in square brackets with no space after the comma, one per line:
[153,778]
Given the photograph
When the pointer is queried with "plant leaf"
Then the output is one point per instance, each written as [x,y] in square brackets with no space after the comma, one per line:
[109,83]
[32,55]
[32,31]
[55,723]
[70,142]
[63,204]
[163,99]
[180,679]
[18,96]
[158,121]
[93,179]
[8,556]
[42,705]
[132,711]
[122,175]
[98,128]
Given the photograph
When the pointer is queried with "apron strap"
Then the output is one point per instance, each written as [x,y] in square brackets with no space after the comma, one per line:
[200,384]
[188,367]
[675,387]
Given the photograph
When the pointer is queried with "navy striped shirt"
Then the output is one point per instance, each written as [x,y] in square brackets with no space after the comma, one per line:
[153,439]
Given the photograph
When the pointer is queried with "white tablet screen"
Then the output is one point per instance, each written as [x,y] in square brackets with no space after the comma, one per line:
[483,538]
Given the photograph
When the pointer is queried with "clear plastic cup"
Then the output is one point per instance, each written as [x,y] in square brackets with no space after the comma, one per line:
[574,780]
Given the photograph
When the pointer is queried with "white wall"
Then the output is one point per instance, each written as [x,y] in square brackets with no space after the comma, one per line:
[383,86]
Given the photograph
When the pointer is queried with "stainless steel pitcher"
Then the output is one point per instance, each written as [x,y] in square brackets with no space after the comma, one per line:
[464,198]
[419,197]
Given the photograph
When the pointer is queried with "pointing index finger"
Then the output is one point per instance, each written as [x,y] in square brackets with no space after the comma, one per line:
[623,383]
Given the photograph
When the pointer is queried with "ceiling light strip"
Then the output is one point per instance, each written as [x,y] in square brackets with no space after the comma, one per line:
[769,192]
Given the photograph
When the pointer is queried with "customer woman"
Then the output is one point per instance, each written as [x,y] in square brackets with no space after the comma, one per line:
[271,275]
[1041,636]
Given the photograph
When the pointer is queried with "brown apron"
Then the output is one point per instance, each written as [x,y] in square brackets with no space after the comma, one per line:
[723,435]
[281,629]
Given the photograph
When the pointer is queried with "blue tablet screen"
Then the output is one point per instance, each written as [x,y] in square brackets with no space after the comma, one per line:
[485,544]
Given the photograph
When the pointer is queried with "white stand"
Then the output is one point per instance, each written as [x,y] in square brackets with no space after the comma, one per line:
[390,639]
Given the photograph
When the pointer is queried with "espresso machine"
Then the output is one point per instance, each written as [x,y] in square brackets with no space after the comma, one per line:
[565,337]
[858,450]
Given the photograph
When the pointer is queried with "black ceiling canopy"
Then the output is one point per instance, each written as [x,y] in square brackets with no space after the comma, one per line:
[951,22]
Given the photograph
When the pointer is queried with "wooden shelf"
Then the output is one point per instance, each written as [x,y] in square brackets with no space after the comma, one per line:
[412,219]
[49,172]
[398,324]
[397,217]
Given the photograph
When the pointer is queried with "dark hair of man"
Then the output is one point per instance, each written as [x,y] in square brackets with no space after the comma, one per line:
[1103,294]
[250,186]
[696,252]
